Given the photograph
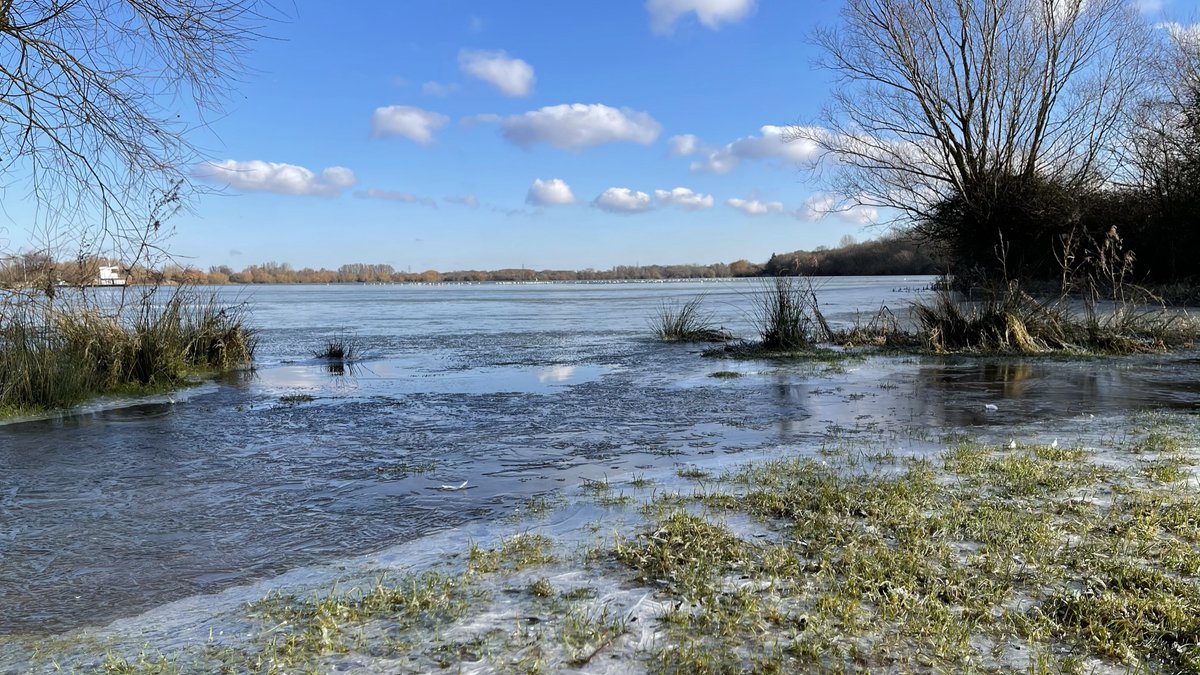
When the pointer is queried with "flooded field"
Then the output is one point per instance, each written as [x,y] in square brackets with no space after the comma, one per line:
[519,391]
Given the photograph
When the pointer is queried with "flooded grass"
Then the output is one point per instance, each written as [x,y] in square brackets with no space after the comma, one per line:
[996,557]
[725,375]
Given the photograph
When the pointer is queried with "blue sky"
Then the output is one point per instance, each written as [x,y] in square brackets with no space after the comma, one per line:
[454,134]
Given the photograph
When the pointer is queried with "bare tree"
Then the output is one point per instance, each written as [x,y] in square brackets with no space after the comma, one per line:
[953,99]
[1166,156]
[91,125]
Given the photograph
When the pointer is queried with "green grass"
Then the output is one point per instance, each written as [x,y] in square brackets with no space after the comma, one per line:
[725,375]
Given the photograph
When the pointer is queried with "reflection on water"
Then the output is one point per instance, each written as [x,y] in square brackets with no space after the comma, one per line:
[111,511]
[557,374]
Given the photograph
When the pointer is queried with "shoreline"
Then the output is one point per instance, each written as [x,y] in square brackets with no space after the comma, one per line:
[502,564]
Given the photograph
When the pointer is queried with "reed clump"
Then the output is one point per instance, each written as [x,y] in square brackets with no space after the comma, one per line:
[58,355]
[340,347]
[788,317]
[687,322]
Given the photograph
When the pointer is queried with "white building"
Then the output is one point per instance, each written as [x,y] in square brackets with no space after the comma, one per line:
[110,276]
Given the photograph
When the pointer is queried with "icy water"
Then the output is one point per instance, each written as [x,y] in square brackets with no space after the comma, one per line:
[519,390]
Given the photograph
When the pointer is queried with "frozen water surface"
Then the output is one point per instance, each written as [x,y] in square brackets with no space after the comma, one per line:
[122,507]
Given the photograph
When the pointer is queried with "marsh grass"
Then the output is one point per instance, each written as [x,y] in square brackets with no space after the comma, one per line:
[1006,320]
[1009,320]
[687,322]
[787,315]
[57,355]
[342,347]
[882,330]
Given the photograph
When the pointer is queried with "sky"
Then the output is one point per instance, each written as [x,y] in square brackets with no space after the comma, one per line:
[473,134]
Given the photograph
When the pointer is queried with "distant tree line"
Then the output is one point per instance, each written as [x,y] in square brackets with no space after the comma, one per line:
[894,253]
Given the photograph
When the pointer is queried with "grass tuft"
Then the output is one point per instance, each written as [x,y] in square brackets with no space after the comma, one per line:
[788,317]
[341,347]
[687,323]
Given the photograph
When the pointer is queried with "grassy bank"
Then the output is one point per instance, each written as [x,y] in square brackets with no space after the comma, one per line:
[1004,320]
[57,355]
[1008,557]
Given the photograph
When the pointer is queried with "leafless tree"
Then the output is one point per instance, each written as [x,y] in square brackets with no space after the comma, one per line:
[94,95]
[947,99]
[1165,157]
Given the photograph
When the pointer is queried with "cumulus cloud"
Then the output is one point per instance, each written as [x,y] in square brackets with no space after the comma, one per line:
[823,204]
[710,13]
[683,145]
[684,199]
[285,179]
[753,207]
[512,76]
[389,195]
[410,122]
[440,89]
[622,200]
[469,201]
[553,192]
[577,126]
[771,143]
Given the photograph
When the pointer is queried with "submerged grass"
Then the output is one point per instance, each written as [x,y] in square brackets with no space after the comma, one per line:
[57,355]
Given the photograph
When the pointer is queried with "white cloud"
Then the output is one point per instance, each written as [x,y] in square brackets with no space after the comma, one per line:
[683,145]
[469,201]
[711,13]
[823,204]
[684,199]
[286,179]
[553,192]
[440,89]
[772,143]
[1148,6]
[388,195]
[512,76]
[404,120]
[753,207]
[622,200]
[578,125]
